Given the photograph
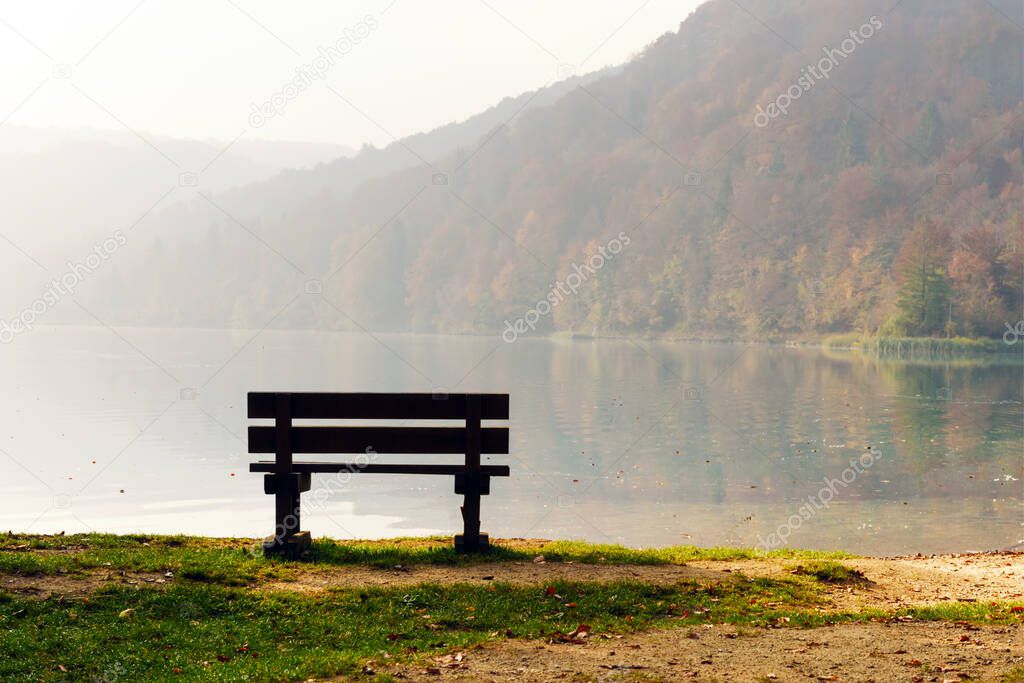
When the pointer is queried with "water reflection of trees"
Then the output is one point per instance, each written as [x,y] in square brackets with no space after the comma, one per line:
[772,423]
[647,423]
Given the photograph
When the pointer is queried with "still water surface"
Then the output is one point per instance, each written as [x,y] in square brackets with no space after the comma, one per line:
[612,441]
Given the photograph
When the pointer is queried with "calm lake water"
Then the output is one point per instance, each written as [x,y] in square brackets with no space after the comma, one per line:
[612,441]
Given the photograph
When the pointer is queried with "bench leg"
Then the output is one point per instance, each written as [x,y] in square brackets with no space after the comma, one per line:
[288,540]
[471,540]
[470,523]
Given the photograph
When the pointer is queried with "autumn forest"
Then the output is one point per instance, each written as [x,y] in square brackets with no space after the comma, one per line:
[886,199]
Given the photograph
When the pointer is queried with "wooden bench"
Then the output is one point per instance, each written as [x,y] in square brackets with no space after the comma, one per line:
[286,479]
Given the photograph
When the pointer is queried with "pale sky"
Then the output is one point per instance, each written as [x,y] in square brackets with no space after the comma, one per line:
[193,68]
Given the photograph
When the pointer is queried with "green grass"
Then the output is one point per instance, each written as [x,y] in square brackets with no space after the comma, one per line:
[221,633]
[850,340]
[240,561]
[928,347]
[919,347]
[578,551]
[1015,676]
[210,624]
[830,572]
[219,561]
[209,632]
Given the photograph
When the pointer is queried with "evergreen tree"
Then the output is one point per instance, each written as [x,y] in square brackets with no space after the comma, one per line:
[925,292]
[880,167]
[931,133]
[852,149]
[723,201]
[778,165]
[999,174]
[666,308]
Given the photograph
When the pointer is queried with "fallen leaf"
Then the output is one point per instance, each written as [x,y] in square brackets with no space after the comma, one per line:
[582,631]
[451,661]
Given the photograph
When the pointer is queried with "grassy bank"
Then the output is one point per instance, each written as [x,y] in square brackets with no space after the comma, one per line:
[215,609]
[238,561]
[920,347]
[216,632]
[203,632]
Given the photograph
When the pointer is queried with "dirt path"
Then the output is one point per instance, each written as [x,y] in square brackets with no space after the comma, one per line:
[77,585]
[891,583]
[900,582]
[851,652]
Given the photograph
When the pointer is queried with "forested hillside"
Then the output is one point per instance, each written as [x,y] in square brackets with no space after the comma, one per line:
[887,196]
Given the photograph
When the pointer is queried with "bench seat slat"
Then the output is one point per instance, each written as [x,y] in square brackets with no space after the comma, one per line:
[374,406]
[422,440]
[332,467]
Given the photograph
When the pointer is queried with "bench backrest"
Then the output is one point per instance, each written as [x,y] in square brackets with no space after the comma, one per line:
[284,439]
